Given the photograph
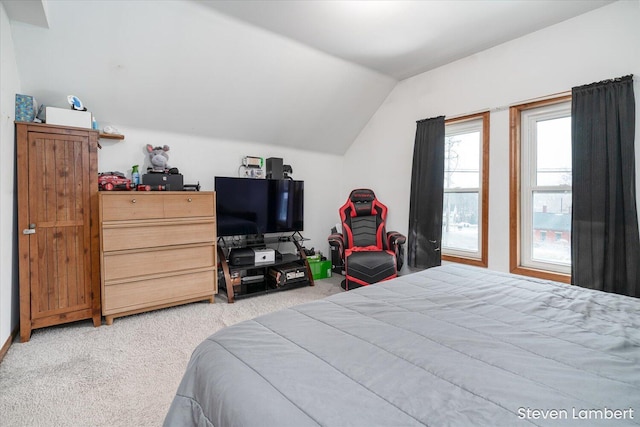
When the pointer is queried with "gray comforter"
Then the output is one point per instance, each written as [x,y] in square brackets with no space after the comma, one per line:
[449,346]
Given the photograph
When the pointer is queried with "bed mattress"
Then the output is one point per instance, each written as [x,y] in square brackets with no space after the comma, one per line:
[448,346]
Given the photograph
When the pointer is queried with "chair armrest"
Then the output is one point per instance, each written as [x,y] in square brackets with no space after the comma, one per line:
[336,238]
[395,241]
[336,241]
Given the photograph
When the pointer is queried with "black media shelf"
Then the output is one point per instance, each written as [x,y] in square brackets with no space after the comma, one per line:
[239,281]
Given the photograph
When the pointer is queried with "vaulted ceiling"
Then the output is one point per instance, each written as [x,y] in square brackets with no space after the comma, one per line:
[289,73]
[403,38]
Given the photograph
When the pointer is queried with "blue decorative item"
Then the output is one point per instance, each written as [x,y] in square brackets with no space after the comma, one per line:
[75,103]
[25,108]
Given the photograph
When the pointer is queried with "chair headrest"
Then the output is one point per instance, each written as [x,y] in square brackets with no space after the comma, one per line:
[362,195]
[362,200]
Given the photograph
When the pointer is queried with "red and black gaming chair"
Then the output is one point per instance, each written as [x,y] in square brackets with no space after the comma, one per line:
[369,253]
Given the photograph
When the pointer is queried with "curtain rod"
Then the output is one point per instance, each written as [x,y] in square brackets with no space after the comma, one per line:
[506,107]
[430,118]
[605,82]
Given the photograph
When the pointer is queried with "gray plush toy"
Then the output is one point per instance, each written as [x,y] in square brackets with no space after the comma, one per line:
[158,157]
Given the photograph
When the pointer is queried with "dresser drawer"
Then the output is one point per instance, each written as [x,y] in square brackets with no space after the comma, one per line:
[153,235]
[158,249]
[189,204]
[148,293]
[131,206]
[128,264]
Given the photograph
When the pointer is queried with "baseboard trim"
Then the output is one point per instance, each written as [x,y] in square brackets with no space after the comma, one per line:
[7,344]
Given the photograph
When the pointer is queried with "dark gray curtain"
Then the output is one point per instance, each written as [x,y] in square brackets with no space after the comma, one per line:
[605,246]
[425,206]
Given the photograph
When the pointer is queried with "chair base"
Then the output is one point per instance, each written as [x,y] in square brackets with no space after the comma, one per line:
[352,285]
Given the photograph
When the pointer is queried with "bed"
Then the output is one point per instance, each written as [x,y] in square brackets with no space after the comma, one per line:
[449,346]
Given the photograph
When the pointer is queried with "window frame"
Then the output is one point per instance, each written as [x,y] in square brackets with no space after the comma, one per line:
[515,192]
[483,195]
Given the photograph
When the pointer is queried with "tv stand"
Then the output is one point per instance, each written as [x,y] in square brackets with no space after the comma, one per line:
[253,279]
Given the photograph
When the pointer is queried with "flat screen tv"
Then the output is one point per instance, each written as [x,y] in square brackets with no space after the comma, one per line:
[247,206]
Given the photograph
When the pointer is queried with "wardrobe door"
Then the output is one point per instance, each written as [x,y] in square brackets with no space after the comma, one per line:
[56,172]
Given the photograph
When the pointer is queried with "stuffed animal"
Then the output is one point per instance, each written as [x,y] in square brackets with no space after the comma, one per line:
[158,157]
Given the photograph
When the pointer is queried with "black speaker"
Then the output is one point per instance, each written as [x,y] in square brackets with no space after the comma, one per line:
[275,168]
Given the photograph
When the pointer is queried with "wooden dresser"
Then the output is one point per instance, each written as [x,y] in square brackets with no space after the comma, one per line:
[158,249]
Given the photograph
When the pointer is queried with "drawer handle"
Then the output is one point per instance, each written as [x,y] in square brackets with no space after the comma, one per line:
[189,199]
[133,200]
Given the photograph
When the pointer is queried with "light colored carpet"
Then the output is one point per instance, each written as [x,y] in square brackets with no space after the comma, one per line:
[125,374]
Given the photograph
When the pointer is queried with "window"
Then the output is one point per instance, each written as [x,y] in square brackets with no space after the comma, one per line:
[465,202]
[541,189]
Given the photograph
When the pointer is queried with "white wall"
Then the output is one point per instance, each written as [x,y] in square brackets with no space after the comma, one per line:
[598,45]
[9,86]
[200,159]
[595,46]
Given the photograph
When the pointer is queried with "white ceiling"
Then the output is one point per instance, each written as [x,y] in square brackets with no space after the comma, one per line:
[403,38]
[285,73]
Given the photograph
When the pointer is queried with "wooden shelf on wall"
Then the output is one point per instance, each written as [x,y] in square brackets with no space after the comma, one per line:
[110,136]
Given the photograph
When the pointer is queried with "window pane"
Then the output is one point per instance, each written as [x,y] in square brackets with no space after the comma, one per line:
[551,237]
[460,221]
[544,159]
[553,146]
[462,160]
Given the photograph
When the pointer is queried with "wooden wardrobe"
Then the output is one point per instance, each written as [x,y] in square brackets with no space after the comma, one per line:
[58,229]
